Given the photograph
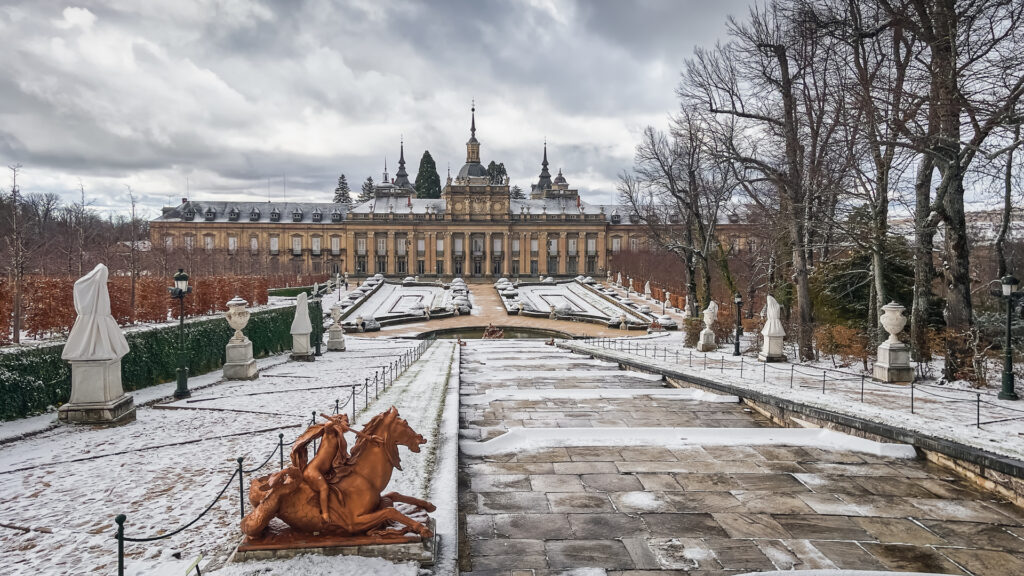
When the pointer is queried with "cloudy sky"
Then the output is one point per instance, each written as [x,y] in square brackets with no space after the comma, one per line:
[231,99]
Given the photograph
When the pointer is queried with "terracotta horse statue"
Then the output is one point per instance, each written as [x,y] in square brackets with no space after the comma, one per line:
[354,503]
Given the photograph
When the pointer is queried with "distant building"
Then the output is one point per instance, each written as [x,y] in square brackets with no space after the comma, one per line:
[474,229]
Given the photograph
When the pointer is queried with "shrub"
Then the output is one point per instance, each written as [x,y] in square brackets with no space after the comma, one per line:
[692,326]
[33,379]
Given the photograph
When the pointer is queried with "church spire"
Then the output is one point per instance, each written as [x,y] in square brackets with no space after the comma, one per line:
[545,176]
[402,177]
[472,146]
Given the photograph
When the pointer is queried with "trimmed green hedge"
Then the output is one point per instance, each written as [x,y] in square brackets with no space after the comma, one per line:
[290,292]
[33,379]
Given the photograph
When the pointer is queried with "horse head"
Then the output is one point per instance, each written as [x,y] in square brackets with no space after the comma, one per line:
[395,431]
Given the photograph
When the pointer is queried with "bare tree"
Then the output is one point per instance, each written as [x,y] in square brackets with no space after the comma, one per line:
[17,252]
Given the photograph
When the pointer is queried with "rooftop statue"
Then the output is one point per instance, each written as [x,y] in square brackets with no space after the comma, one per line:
[339,494]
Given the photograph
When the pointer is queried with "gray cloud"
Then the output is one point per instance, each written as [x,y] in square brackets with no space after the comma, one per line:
[232,94]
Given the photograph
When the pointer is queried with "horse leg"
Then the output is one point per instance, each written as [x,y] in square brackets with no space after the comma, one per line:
[366,522]
[256,521]
[396,497]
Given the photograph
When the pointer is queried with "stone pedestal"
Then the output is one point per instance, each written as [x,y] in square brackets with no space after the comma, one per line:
[771,350]
[707,341]
[893,363]
[96,394]
[240,364]
[335,338]
[301,350]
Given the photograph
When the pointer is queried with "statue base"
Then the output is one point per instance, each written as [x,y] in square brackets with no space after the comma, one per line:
[772,350]
[707,341]
[301,350]
[240,364]
[281,541]
[336,339]
[114,413]
[893,364]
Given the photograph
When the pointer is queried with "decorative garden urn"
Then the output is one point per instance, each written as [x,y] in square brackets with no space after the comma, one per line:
[893,320]
[237,317]
[238,361]
[336,313]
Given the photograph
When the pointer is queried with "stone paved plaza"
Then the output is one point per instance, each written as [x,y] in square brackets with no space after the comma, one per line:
[698,510]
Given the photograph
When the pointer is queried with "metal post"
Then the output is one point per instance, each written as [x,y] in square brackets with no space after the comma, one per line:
[723,365]
[280,445]
[337,402]
[366,390]
[791,369]
[376,392]
[182,390]
[741,366]
[861,387]
[823,381]
[911,397]
[313,419]
[979,410]
[1007,392]
[353,405]
[705,361]
[241,491]
[119,519]
[764,372]
[691,358]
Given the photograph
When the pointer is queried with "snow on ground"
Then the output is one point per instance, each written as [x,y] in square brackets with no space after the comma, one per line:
[519,439]
[941,412]
[60,488]
[571,298]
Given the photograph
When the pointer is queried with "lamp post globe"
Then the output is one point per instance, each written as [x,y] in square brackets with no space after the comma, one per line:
[1010,286]
[179,291]
[739,325]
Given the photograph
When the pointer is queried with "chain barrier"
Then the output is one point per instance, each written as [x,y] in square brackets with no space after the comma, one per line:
[629,345]
[406,359]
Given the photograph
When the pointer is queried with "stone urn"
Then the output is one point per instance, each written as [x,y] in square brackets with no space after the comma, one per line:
[336,313]
[336,334]
[237,317]
[893,364]
[893,320]
[239,363]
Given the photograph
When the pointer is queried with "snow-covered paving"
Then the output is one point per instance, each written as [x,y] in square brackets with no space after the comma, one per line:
[60,489]
[949,414]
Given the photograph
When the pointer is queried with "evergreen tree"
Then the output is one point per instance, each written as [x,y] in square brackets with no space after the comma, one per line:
[496,172]
[428,182]
[342,194]
[516,193]
[366,192]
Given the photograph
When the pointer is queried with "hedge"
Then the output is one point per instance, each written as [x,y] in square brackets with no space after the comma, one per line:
[32,380]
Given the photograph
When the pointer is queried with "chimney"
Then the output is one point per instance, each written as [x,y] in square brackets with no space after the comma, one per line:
[184,200]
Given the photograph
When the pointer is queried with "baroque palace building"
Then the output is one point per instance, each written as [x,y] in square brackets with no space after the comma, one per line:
[475,229]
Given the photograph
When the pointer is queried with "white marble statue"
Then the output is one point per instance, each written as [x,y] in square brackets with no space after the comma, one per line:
[618,279]
[773,332]
[95,335]
[301,329]
[707,335]
[94,349]
[686,307]
[647,290]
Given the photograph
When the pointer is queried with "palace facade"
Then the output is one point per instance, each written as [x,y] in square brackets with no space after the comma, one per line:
[475,229]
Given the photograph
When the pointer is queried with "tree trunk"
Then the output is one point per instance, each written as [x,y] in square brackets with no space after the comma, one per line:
[1004,226]
[957,271]
[924,265]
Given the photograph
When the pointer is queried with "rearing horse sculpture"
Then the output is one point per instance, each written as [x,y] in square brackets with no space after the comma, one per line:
[354,503]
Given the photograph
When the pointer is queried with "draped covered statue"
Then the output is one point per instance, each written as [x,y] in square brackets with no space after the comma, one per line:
[95,335]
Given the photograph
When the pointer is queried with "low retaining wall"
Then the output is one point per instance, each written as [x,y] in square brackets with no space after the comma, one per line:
[990,471]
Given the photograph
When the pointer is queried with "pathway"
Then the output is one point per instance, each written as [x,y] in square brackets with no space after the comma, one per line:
[710,506]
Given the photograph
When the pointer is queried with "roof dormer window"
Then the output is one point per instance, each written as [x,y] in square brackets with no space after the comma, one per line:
[296,215]
[254,216]
[210,214]
[190,214]
[233,214]
[275,216]
[317,215]
[335,216]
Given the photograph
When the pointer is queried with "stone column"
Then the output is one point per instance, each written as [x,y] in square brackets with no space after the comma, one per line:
[506,263]
[239,364]
[542,254]
[392,254]
[488,257]
[601,251]
[371,254]
[449,254]
[893,363]
[563,252]
[350,253]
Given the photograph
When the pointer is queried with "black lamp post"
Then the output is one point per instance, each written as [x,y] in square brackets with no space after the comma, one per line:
[1010,285]
[739,326]
[179,291]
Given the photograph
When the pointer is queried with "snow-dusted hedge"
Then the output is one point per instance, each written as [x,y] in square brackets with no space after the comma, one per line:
[33,379]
